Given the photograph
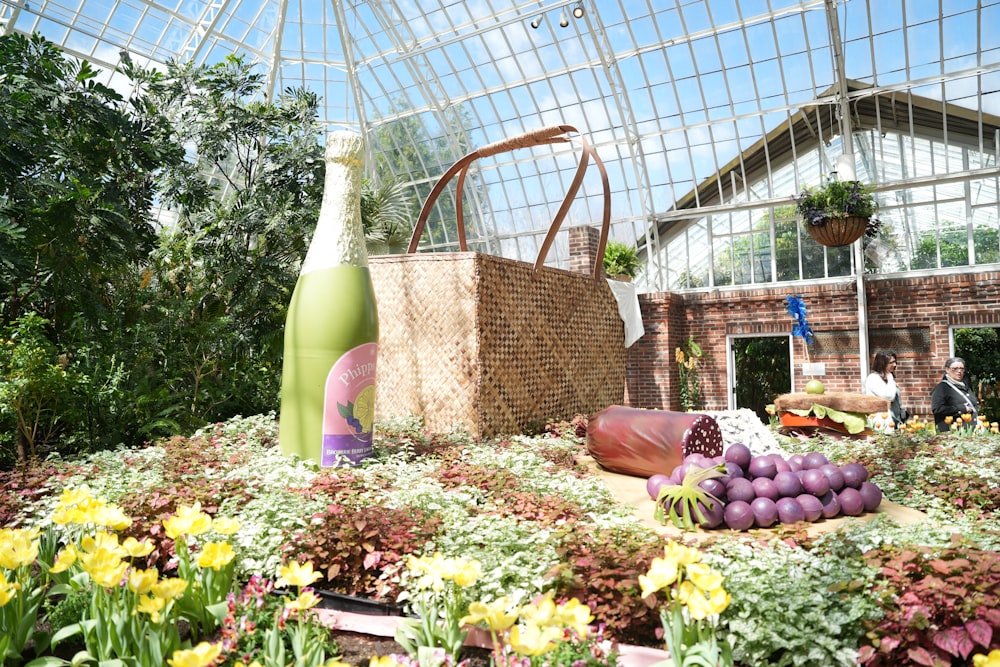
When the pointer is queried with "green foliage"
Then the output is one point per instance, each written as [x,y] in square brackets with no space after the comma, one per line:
[39,391]
[688,358]
[621,259]
[251,617]
[939,605]
[383,214]
[790,605]
[953,245]
[77,164]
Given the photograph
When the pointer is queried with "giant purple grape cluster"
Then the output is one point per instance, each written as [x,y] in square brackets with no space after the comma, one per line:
[765,490]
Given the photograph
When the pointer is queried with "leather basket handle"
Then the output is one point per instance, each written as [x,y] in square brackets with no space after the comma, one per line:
[547,135]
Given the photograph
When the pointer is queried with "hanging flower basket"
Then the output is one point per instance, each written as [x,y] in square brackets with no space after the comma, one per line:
[838,213]
[839,231]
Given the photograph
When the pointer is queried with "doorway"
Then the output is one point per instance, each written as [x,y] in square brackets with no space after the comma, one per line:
[980,348]
[760,370]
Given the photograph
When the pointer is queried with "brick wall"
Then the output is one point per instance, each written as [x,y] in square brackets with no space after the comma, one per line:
[910,315]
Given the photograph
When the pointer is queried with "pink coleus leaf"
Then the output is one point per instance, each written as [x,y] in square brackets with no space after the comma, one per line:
[980,631]
[921,656]
[954,641]
[372,559]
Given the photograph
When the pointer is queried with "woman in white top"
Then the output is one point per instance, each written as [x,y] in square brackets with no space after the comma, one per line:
[882,383]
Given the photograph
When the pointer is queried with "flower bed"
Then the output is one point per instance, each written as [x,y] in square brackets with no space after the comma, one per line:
[539,522]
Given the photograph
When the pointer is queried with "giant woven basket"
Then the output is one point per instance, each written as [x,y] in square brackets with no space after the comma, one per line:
[488,344]
[491,344]
[839,231]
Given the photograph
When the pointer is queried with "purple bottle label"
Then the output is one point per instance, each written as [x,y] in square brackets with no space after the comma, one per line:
[349,407]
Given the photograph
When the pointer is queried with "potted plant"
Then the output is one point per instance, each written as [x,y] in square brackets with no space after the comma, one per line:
[838,212]
[621,260]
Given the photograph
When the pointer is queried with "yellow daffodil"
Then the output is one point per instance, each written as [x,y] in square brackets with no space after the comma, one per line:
[294,574]
[991,660]
[65,559]
[7,589]
[18,546]
[142,581]
[202,655]
[152,606]
[704,577]
[496,615]
[530,639]
[225,525]
[216,555]
[170,589]
[136,549]
[306,600]
[188,520]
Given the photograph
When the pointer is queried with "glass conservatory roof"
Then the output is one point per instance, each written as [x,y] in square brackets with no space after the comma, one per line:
[709,115]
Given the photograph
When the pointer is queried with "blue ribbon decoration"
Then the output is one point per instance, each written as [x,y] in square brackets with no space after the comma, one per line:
[797,309]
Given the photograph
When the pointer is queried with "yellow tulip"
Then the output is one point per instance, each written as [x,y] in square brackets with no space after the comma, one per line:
[383,661]
[7,589]
[112,517]
[106,573]
[18,546]
[225,525]
[966,417]
[202,655]
[541,612]
[681,554]
[991,660]
[306,600]
[704,577]
[575,615]
[216,555]
[142,581]
[294,574]
[170,589]
[136,549]
[101,542]
[718,600]
[189,520]
[496,615]
[151,605]
[662,573]
[468,572]
[949,419]
[74,496]
[530,639]
[65,559]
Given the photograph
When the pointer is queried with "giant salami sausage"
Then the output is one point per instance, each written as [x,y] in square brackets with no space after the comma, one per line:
[641,442]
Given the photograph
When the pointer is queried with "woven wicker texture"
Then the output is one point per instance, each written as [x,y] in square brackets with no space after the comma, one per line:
[488,344]
[838,400]
[839,231]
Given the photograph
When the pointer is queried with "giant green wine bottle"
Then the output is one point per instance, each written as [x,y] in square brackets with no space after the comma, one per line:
[331,331]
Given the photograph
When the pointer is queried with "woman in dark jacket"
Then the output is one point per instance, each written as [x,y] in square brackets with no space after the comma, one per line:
[952,397]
